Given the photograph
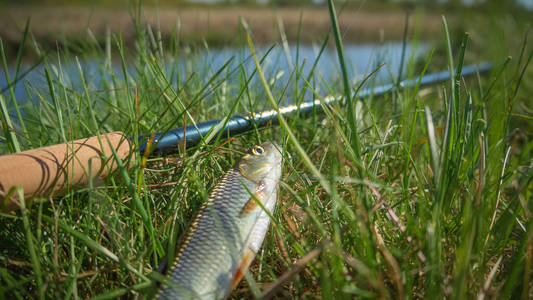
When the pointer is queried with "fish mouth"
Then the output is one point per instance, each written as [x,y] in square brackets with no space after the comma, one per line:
[274,161]
[276,150]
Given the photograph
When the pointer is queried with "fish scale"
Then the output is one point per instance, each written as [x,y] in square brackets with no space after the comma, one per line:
[218,245]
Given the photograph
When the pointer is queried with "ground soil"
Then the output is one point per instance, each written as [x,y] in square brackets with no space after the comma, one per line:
[216,25]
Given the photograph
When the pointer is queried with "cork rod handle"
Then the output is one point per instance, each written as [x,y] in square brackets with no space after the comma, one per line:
[51,170]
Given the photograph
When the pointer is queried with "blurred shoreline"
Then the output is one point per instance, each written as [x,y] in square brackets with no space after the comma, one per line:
[218,26]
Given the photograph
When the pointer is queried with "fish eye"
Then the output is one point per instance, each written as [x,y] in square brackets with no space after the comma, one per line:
[258,150]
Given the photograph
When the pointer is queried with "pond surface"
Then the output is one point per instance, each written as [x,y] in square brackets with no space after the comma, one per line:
[361,59]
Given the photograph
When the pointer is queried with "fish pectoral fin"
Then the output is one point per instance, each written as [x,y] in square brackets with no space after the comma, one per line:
[252,203]
[250,206]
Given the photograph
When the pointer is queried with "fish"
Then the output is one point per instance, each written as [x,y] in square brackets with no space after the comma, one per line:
[226,234]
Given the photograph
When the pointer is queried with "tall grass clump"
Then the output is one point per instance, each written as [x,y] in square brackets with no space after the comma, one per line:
[421,193]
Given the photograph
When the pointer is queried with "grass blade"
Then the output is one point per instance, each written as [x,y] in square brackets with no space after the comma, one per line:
[31,245]
[284,124]
[7,126]
[351,118]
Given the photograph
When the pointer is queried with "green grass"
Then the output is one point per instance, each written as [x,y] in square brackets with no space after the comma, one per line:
[421,193]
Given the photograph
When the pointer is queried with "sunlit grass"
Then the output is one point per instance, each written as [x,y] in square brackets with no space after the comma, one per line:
[422,193]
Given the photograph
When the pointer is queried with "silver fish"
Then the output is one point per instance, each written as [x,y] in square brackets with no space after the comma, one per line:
[229,229]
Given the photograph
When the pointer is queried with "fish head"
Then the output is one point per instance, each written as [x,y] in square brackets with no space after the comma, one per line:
[262,162]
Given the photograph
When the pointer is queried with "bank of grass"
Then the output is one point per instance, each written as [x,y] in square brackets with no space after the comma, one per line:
[421,193]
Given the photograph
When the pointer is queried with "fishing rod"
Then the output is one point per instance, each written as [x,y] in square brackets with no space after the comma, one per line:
[55,170]
[167,142]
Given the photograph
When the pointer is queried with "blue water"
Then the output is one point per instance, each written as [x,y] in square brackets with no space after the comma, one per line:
[361,59]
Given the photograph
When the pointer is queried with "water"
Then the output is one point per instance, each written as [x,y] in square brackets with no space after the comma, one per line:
[361,59]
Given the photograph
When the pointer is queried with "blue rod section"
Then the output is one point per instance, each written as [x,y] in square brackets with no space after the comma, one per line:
[167,142]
